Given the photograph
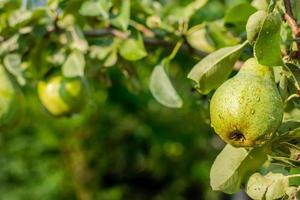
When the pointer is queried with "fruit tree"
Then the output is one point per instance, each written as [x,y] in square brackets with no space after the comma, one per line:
[109,75]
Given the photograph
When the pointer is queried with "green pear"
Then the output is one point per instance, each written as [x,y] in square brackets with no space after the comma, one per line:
[62,96]
[247,109]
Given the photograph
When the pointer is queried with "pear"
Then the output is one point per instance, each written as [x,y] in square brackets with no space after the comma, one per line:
[247,109]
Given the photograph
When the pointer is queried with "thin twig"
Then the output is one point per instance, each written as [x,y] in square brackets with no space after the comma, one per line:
[106,32]
[291,20]
[151,41]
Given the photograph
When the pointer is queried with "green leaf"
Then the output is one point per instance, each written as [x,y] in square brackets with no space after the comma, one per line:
[232,3]
[133,48]
[111,59]
[12,63]
[99,52]
[10,44]
[90,8]
[254,25]
[294,180]
[74,65]
[293,193]
[191,8]
[78,40]
[215,68]
[19,17]
[288,162]
[260,4]
[288,126]
[233,165]
[122,20]
[268,187]
[162,88]
[221,36]
[267,46]
[283,87]
[95,8]
[239,14]
[199,38]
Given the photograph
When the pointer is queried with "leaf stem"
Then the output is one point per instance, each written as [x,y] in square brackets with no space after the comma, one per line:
[175,50]
[294,176]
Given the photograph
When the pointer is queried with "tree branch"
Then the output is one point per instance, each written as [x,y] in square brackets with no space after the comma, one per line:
[152,41]
[291,20]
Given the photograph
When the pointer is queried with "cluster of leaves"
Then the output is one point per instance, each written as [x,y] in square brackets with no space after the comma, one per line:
[87,38]
[277,162]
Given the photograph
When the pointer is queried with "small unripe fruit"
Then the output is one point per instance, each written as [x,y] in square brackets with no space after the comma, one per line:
[62,96]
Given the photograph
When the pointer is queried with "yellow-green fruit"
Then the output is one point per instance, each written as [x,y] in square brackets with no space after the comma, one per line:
[10,101]
[62,96]
[247,109]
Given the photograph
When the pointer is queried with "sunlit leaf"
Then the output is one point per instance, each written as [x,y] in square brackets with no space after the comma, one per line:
[199,38]
[12,63]
[122,20]
[268,187]
[162,88]
[95,8]
[267,46]
[215,68]
[254,25]
[232,166]
[239,14]
[74,65]
[133,48]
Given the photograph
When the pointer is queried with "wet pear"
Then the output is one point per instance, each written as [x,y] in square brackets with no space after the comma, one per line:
[247,109]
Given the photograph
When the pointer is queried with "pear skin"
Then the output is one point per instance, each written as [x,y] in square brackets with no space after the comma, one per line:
[247,109]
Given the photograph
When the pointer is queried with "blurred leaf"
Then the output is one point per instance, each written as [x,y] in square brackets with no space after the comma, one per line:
[295,180]
[78,40]
[254,25]
[199,38]
[162,88]
[211,11]
[288,126]
[267,46]
[90,8]
[288,162]
[220,35]
[293,193]
[19,17]
[260,4]
[232,3]
[99,52]
[9,45]
[215,68]
[239,14]
[283,87]
[177,13]
[74,65]
[122,20]
[95,8]
[12,63]
[233,165]
[191,8]
[133,48]
[268,187]
[111,59]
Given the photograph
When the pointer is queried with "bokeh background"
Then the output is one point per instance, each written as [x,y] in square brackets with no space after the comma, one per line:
[124,145]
